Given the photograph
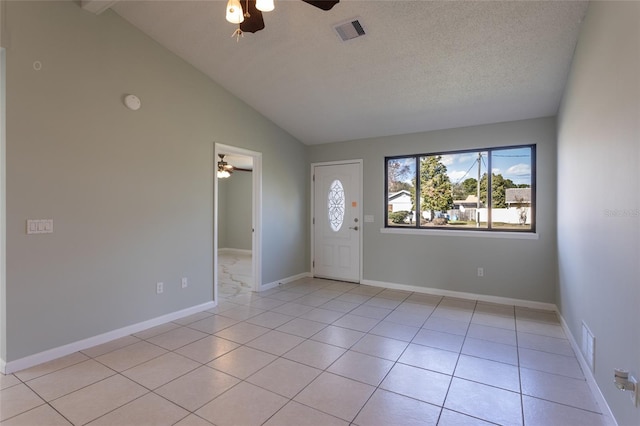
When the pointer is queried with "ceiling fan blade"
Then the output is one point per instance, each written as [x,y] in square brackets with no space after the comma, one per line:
[322,4]
[254,21]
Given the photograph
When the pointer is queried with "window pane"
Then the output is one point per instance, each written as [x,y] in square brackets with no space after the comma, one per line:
[449,188]
[335,205]
[401,190]
[511,189]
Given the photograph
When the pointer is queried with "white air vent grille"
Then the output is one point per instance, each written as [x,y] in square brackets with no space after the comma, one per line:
[350,30]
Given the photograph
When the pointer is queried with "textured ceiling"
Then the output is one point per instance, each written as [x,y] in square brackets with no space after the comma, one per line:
[423,65]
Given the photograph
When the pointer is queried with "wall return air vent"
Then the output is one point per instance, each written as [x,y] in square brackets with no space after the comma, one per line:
[350,29]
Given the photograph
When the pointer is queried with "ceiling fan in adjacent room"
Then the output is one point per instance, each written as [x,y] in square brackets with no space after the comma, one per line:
[248,13]
[225,169]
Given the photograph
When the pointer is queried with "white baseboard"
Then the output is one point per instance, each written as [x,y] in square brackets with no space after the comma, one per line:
[51,354]
[463,295]
[268,286]
[588,374]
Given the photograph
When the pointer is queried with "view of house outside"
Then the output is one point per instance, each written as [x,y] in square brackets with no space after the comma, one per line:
[455,190]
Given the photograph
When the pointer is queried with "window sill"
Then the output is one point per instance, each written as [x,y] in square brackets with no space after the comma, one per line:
[462,233]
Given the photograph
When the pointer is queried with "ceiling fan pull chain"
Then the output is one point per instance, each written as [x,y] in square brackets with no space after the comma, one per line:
[237,34]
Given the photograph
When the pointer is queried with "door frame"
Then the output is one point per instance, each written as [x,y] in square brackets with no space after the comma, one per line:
[256,216]
[360,211]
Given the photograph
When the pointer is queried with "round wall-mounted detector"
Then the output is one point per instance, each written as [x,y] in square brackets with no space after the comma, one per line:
[132,102]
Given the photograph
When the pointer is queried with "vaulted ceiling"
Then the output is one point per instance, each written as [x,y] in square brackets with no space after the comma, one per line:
[422,65]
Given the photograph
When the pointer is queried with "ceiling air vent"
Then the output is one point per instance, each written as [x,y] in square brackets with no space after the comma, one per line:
[349,30]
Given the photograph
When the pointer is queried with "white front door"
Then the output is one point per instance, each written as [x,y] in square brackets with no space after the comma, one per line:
[337,224]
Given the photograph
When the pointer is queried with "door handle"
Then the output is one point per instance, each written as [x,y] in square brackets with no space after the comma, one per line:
[355,228]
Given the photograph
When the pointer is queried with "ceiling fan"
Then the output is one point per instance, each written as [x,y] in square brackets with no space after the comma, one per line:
[225,169]
[248,13]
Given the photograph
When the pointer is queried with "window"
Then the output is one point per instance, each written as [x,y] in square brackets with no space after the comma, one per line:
[454,190]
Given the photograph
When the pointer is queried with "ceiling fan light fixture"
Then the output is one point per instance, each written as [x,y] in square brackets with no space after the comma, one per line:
[234,12]
[265,5]
[223,174]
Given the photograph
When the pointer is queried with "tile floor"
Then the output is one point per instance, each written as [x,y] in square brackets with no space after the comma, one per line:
[319,352]
[235,276]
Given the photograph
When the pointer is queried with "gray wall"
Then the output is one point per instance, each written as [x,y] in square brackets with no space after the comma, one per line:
[521,269]
[235,199]
[131,193]
[598,179]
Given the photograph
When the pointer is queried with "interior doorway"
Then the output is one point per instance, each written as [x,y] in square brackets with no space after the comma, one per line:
[237,221]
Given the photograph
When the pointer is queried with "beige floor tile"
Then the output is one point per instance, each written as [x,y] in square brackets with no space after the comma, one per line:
[498,374]
[67,380]
[110,346]
[193,420]
[446,325]
[242,362]
[395,331]
[242,332]
[371,312]
[293,309]
[453,418]
[195,389]
[497,321]
[410,381]
[174,339]
[212,324]
[560,389]
[154,331]
[87,404]
[130,356]
[207,349]
[438,339]
[42,415]
[543,413]
[160,370]
[149,409]
[382,302]
[355,322]
[338,305]
[490,350]
[325,316]
[390,409]
[335,395]
[193,318]
[492,334]
[270,319]
[314,354]
[430,358]
[302,327]
[245,405]
[50,367]
[361,367]
[477,400]
[16,400]
[551,363]
[338,336]
[8,380]
[545,344]
[242,313]
[284,377]
[295,414]
[379,346]
[275,342]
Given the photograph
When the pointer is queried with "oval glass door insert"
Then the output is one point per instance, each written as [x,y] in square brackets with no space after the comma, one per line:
[336,205]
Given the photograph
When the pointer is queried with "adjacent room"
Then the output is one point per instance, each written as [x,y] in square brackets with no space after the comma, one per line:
[241,212]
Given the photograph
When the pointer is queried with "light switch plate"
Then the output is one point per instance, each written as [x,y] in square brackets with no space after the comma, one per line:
[368,218]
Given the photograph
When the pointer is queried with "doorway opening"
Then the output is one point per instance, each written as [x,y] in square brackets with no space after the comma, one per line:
[237,221]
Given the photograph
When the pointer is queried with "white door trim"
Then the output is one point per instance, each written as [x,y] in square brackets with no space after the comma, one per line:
[360,210]
[256,217]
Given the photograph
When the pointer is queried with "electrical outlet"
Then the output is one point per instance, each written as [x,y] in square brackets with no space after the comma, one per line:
[481,272]
[184,283]
[159,288]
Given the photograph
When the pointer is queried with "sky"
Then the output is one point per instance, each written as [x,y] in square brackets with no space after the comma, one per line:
[514,164]
[511,163]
